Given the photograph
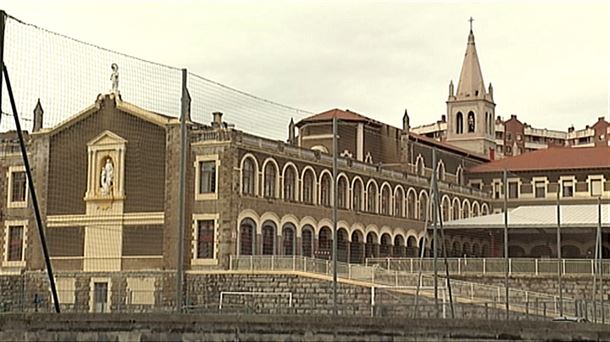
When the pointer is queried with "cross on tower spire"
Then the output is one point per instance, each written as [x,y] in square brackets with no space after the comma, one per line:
[471,20]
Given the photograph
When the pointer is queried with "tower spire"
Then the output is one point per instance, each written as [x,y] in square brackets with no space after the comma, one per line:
[471,79]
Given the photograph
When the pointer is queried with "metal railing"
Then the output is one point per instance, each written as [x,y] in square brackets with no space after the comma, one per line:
[493,266]
[521,302]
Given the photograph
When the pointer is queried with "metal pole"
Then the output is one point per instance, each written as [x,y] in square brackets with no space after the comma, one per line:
[434,234]
[181,199]
[559,255]
[334,188]
[28,171]
[437,207]
[2,26]
[505,186]
[599,261]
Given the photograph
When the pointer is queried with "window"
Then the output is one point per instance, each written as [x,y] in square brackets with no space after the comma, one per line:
[357,196]
[17,187]
[398,203]
[459,123]
[308,187]
[471,120]
[419,165]
[248,175]
[509,136]
[15,243]
[270,177]
[513,189]
[289,184]
[385,201]
[205,239]
[207,177]
[497,189]
[342,193]
[325,189]
[371,198]
[567,188]
[539,189]
[595,187]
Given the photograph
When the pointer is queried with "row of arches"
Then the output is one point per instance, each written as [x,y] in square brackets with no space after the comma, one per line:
[270,235]
[308,187]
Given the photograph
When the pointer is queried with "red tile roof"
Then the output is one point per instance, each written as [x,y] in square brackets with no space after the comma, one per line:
[345,115]
[551,159]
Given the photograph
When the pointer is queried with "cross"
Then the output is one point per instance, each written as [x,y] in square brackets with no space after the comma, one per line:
[471,20]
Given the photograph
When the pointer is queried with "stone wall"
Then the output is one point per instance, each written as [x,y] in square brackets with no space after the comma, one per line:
[148,327]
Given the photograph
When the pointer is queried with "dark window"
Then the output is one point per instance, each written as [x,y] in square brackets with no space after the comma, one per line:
[18,186]
[15,243]
[342,194]
[398,203]
[357,196]
[247,237]
[288,239]
[325,191]
[270,174]
[471,121]
[459,123]
[568,188]
[513,189]
[307,241]
[205,239]
[371,198]
[308,188]
[207,177]
[268,239]
[540,191]
[385,201]
[289,184]
[248,177]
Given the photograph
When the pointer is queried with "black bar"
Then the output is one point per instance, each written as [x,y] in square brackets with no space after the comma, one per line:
[2,26]
[28,172]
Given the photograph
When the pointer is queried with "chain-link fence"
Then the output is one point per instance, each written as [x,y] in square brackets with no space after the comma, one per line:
[160,190]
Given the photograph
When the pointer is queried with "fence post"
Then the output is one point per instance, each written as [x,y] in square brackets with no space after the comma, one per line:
[459,260]
[372,301]
[411,262]
[563,268]
[231,262]
[388,262]
[396,277]
[593,267]
[272,262]
[251,263]
[294,263]
[349,271]
[536,264]
[484,266]
[510,266]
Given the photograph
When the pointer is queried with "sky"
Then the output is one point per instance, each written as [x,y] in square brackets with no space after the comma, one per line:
[548,61]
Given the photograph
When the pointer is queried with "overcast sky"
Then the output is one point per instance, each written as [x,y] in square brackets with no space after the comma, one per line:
[547,61]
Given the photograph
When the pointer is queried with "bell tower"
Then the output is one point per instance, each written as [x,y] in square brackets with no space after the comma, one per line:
[471,109]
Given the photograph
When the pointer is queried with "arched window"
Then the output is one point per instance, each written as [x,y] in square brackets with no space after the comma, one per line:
[356,248]
[446,212]
[342,245]
[459,123]
[289,247]
[471,122]
[308,187]
[465,210]
[459,175]
[385,249]
[247,234]
[385,200]
[307,241]
[325,242]
[456,210]
[371,199]
[370,248]
[440,171]
[475,209]
[412,246]
[411,205]
[423,207]
[486,122]
[398,203]
[248,174]
[290,184]
[269,238]
[399,246]
[270,178]
[342,193]
[357,195]
[420,166]
[325,190]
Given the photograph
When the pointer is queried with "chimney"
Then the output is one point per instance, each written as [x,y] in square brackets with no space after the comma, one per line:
[217,120]
[513,116]
[571,129]
[38,115]
[443,118]
[601,118]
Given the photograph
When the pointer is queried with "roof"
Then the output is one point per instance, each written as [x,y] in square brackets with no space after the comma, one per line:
[471,79]
[539,216]
[446,146]
[557,158]
[344,115]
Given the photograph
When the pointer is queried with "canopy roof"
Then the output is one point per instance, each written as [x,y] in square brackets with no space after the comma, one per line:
[540,216]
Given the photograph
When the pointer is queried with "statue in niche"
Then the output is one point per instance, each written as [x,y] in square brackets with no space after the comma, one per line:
[107,178]
[470,122]
[114,77]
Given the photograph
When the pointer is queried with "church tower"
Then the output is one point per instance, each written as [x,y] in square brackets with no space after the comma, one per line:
[471,110]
